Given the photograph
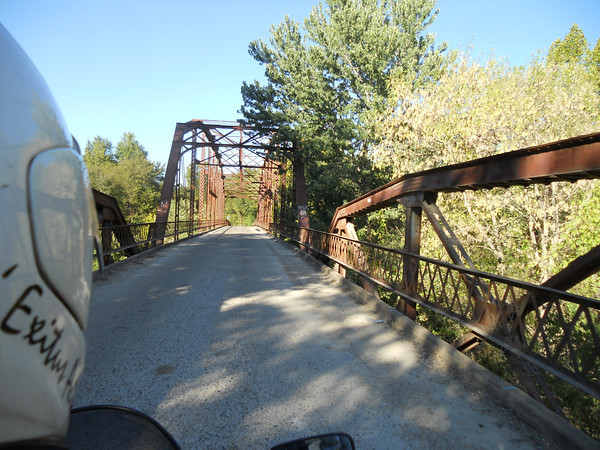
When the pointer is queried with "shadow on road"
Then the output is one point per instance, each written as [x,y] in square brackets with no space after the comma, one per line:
[232,340]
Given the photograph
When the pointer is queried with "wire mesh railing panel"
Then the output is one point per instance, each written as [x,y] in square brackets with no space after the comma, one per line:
[122,241]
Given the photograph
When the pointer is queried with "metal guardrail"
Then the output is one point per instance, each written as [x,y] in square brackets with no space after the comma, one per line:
[552,330]
[136,238]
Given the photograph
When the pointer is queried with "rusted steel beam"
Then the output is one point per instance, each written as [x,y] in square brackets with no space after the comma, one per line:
[110,215]
[568,160]
[268,191]
[301,194]
[577,271]
[202,191]
[410,267]
[215,148]
[228,125]
[245,166]
[222,145]
[108,209]
[162,215]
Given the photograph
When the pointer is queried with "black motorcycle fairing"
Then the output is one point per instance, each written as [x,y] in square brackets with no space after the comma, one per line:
[110,427]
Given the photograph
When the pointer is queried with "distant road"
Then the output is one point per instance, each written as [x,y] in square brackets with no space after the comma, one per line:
[233,340]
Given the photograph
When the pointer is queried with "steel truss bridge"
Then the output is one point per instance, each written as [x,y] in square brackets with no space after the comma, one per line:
[211,161]
[226,160]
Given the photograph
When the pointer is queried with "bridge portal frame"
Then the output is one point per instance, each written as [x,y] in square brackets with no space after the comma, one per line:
[234,161]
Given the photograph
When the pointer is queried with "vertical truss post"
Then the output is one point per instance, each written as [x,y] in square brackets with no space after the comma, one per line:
[162,214]
[273,188]
[202,189]
[340,250]
[276,194]
[267,197]
[221,198]
[177,195]
[262,194]
[211,188]
[268,190]
[412,244]
[283,195]
[192,202]
[241,159]
[301,200]
[368,285]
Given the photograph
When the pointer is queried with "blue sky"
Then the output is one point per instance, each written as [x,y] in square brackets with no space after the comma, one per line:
[142,66]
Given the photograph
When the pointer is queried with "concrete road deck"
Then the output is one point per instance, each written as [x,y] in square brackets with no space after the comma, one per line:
[235,340]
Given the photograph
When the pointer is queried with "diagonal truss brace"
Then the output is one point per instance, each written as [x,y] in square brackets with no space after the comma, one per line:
[489,315]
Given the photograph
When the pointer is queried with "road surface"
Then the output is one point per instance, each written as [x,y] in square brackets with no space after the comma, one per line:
[234,340]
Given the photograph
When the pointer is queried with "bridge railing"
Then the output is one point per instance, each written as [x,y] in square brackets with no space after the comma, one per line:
[551,331]
[121,241]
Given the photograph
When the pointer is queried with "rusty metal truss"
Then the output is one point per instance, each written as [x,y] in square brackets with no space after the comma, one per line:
[490,305]
[534,325]
[211,161]
[568,160]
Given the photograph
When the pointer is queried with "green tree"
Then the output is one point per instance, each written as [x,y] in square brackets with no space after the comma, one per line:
[129,148]
[98,151]
[126,174]
[241,211]
[573,48]
[100,161]
[325,77]
[593,62]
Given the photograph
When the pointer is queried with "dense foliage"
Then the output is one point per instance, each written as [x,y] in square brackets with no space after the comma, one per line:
[477,110]
[241,211]
[126,174]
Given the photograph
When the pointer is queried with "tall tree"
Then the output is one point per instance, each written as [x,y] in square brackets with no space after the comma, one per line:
[100,161]
[323,78]
[98,151]
[593,62]
[129,148]
[126,174]
[573,48]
